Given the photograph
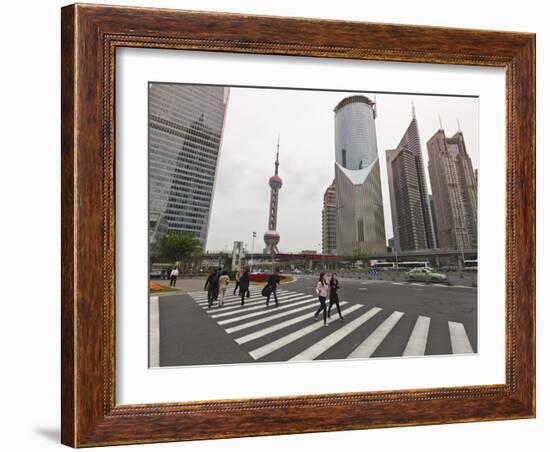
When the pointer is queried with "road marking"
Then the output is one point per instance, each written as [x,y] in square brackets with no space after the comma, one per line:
[232,305]
[154,332]
[324,344]
[299,300]
[459,339]
[232,302]
[398,283]
[419,337]
[274,316]
[203,301]
[373,341]
[277,327]
[294,336]
[232,310]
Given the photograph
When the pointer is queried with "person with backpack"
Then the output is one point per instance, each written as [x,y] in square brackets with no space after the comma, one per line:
[322,291]
[244,285]
[334,285]
[271,288]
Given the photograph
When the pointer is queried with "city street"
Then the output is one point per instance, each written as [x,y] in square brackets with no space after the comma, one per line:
[381,319]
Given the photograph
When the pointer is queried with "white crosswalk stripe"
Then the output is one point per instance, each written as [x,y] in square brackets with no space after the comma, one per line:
[419,337]
[289,338]
[231,310]
[271,329]
[459,338]
[291,302]
[371,343]
[277,315]
[233,305]
[324,344]
[203,299]
[279,326]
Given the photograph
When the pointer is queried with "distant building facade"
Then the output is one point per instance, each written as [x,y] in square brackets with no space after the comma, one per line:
[359,211]
[410,208]
[454,191]
[329,220]
[185,133]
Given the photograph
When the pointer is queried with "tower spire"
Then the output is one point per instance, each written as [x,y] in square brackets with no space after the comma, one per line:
[458,124]
[413,110]
[277,158]
[440,123]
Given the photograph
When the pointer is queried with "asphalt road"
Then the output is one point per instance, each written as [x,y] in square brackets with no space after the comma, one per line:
[381,319]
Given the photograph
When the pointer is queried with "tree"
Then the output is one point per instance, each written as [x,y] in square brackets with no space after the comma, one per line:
[175,247]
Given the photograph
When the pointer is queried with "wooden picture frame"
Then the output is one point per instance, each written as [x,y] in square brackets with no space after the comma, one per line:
[90,35]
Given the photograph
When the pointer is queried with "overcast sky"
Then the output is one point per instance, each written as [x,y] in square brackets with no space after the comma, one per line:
[305,122]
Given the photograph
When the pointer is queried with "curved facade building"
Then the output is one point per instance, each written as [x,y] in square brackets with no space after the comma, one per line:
[355,132]
[360,228]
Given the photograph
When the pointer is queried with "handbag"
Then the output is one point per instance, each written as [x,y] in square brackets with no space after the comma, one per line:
[266,290]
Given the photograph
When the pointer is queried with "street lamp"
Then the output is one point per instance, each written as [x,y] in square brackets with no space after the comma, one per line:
[252,252]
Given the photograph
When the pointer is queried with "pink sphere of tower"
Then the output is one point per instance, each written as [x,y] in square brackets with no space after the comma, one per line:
[272,237]
[275,182]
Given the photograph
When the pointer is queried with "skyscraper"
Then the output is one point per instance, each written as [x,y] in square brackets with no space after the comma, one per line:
[454,191]
[272,237]
[359,212]
[410,208]
[185,133]
[329,220]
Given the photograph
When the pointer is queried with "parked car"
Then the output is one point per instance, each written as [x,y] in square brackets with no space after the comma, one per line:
[426,274]
[297,271]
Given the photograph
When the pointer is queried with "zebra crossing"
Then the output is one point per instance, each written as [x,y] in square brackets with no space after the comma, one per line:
[289,332]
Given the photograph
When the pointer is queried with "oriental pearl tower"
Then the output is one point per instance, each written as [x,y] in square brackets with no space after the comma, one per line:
[272,237]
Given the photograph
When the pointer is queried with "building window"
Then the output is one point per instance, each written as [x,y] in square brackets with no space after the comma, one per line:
[344,160]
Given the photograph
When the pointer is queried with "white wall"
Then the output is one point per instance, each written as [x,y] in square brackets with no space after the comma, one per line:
[29,178]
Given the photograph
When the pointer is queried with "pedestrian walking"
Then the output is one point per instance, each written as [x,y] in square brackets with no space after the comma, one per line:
[216,284]
[322,291]
[211,283]
[272,289]
[334,285]
[244,286]
[237,281]
[223,284]
[174,276]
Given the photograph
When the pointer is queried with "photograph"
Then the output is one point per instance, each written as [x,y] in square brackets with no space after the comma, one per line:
[297,224]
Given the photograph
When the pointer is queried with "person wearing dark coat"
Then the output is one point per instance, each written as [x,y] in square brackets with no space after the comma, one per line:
[272,284]
[334,300]
[244,286]
[211,286]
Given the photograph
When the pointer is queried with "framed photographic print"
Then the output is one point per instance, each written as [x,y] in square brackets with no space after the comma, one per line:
[281,225]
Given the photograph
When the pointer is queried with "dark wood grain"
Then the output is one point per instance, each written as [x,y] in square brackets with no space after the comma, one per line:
[90,36]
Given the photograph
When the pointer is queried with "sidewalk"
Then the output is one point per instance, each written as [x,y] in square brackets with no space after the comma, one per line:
[183,285]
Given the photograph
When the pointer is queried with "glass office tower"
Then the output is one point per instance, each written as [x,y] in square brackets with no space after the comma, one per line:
[185,133]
